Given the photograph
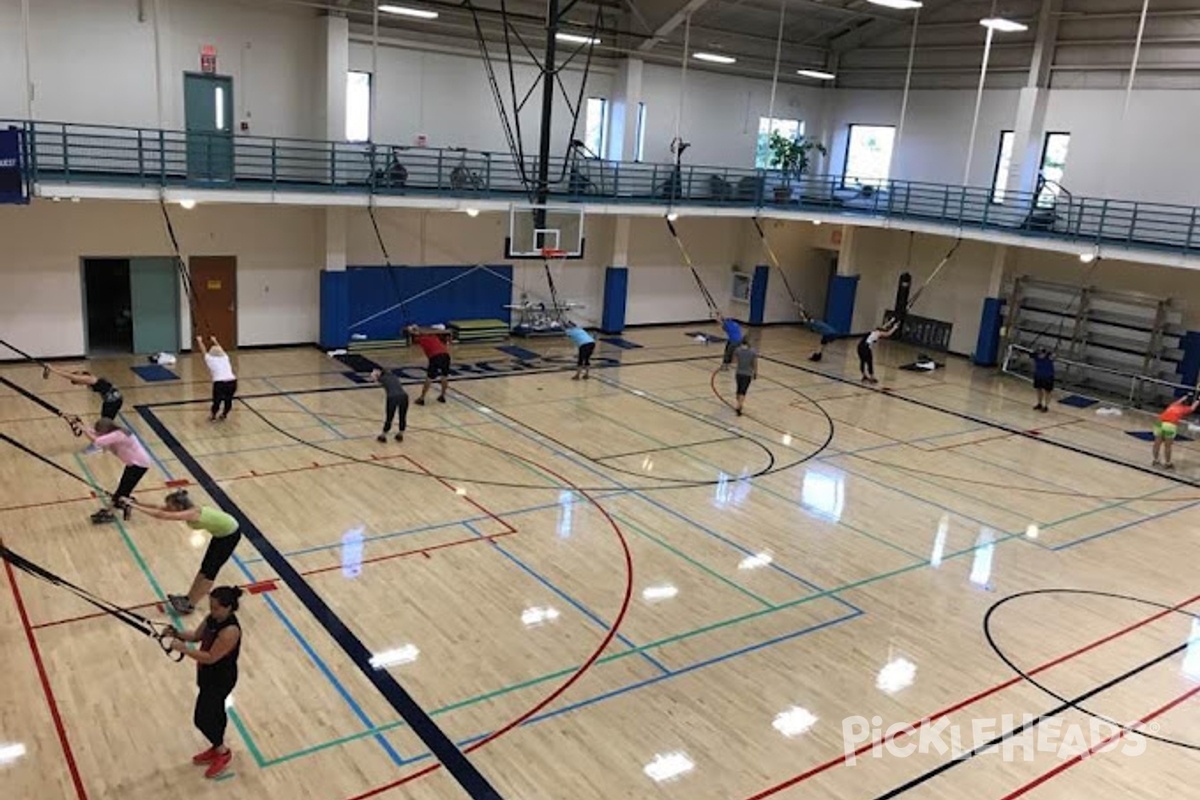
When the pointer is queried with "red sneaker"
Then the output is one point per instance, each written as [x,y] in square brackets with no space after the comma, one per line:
[219,764]
[206,757]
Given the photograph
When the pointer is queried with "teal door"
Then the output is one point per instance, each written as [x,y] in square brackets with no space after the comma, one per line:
[154,302]
[208,112]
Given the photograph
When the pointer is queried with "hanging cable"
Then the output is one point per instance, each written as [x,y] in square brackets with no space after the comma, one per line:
[199,319]
[912,52]
[921,289]
[805,317]
[71,419]
[387,260]
[775,75]
[29,451]
[45,367]
[713,309]
[162,633]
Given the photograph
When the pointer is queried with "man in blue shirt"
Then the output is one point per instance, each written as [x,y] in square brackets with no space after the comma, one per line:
[1043,377]
[586,344]
[733,338]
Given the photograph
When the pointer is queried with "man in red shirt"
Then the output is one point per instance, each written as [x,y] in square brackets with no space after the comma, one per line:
[435,349]
[1167,426]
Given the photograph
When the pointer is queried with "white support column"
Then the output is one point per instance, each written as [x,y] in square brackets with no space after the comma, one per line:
[622,118]
[1000,259]
[620,257]
[336,36]
[1029,128]
[848,253]
[335,239]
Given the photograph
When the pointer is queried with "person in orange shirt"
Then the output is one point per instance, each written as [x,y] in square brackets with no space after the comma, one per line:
[1167,427]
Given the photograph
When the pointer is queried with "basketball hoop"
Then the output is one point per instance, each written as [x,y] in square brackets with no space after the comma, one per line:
[553,254]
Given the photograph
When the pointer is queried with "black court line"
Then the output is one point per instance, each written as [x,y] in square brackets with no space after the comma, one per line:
[997,425]
[666,448]
[550,368]
[1017,731]
[438,743]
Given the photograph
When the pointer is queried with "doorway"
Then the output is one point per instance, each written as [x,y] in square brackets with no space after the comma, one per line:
[214,284]
[208,116]
[131,305]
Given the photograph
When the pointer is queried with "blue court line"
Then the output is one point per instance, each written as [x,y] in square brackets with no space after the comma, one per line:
[580,607]
[322,666]
[305,409]
[456,763]
[1125,526]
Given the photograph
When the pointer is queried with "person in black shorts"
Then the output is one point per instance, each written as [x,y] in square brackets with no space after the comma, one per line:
[434,347]
[220,639]
[747,370]
[110,396]
[1043,377]
[397,403]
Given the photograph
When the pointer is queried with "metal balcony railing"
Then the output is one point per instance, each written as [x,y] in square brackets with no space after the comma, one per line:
[98,154]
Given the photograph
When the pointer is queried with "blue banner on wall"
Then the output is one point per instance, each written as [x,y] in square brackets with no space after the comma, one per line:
[12,173]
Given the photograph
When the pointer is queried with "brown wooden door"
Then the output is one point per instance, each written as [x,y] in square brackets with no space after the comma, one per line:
[214,280]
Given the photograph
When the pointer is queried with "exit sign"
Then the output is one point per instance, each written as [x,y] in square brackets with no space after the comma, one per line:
[208,59]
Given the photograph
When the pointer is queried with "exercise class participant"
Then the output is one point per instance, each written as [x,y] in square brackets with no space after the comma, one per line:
[828,334]
[108,435]
[397,403]
[222,527]
[733,337]
[1167,428]
[866,348]
[110,396]
[224,382]
[438,354]
[587,345]
[220,638]
[747,371]
[1043,377]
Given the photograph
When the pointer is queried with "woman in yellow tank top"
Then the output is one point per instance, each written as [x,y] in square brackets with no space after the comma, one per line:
[222,527]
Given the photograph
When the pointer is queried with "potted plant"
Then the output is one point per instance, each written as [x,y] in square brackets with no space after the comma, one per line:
[792,158]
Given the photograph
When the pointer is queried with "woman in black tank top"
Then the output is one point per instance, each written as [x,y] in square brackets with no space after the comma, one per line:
[220,639]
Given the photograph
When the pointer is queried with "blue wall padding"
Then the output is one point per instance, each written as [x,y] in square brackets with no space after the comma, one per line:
[987,346]
[616,292]
[839,307]
[1189,365]
[431,295]
[335,309]
[758,294]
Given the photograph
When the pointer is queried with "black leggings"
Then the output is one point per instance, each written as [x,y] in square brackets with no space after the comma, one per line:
[585,354]
[397,405]
[866,359]
[223,392]
[220,548]
[129,481]
[210,717]
[111,404]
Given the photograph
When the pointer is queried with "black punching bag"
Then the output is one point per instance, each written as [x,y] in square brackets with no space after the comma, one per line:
[901,306]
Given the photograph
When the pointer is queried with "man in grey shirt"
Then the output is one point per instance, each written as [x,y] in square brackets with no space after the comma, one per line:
[397,403]
[747,370]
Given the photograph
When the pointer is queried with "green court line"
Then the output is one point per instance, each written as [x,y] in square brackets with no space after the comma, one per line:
[708,570]
[145,569]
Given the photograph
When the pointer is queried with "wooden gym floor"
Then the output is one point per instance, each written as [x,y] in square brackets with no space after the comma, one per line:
[615,588]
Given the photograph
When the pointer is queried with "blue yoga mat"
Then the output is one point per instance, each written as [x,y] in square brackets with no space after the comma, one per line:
[1147,436]
[519,352]
[624,344]
[153,373]
[1078,401]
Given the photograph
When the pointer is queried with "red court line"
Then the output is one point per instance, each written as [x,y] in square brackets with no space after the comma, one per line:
[91,496]
[1091,751]
[72,767]
[418,551]
[975,698]
[454,489]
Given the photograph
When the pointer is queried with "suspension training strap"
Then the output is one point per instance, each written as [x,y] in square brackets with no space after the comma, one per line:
[142,625]
[387,260]
[1062,316]
[75,422]
[27,450]
[762,235]
[713,308]
[946,260]
[185,276]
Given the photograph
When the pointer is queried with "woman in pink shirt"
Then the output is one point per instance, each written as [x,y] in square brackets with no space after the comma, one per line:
[110,436]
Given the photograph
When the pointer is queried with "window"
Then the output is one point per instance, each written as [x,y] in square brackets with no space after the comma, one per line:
[358,106]
[1003,165]
[1054,164]
[787,128]
[639,144]
[594,124]
[868,155]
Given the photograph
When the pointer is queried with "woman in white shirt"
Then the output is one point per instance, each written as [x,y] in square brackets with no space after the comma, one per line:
[224,381]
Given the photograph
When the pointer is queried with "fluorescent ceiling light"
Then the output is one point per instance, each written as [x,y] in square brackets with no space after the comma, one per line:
[472,212]
[390,658]
[1003,25]
[672,216]
[575,38]
[405,11]
[670,765]
[713,58]
[794,721]
[187,204]
[1088,257]
[820,75]
[903,5]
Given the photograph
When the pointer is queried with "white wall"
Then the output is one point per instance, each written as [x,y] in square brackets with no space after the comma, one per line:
[42,303]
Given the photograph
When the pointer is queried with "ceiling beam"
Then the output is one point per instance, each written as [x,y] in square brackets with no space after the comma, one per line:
[873,28]
[664,30]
